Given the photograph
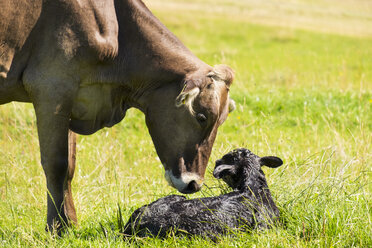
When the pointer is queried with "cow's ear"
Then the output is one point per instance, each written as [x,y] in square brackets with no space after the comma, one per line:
[222,73]
[232,105]
[270,161]
[187,96]
[224,170]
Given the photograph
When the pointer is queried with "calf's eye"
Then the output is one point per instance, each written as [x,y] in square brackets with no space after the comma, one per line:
[201,117]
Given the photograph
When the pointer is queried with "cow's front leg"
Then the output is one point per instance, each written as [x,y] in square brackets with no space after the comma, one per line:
[53,128]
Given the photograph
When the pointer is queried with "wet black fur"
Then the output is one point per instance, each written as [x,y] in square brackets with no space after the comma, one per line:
[247,207]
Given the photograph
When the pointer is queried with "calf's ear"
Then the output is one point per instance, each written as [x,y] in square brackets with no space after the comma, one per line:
[270,161]
[223,170]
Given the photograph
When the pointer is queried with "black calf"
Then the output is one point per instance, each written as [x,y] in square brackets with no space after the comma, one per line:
[249,206]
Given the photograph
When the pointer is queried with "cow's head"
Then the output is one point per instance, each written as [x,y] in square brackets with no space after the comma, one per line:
[183,122]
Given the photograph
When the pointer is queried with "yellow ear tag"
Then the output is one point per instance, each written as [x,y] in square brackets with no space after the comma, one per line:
[184,100]
[184,87]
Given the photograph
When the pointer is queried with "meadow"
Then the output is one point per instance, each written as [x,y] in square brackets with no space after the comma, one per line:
[303,91]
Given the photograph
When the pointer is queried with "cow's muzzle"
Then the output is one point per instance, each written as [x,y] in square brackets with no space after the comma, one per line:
[187,183]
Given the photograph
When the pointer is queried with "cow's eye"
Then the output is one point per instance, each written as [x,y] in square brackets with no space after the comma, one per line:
[201,118]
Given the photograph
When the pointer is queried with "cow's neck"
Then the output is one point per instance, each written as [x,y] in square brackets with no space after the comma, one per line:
[149,54]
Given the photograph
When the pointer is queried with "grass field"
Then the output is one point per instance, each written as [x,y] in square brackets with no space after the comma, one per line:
[303,90]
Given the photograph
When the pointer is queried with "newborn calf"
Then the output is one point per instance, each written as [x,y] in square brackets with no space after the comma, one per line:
[249,206]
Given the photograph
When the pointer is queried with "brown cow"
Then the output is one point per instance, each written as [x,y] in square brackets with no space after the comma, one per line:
[83,63]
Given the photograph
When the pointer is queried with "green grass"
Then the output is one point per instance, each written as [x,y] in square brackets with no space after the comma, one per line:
[305,96]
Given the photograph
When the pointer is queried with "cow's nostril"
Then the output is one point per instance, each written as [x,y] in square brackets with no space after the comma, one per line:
[192,187]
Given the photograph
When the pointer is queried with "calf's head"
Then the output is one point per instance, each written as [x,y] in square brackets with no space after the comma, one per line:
[241,168]
[183,120]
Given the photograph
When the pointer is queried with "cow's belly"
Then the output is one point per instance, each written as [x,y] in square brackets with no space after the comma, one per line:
[95,107]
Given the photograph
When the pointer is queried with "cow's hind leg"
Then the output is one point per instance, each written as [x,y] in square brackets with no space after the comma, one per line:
[69,206]
[12,91]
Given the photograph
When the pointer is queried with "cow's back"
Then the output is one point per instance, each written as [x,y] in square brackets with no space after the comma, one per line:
[40,39]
